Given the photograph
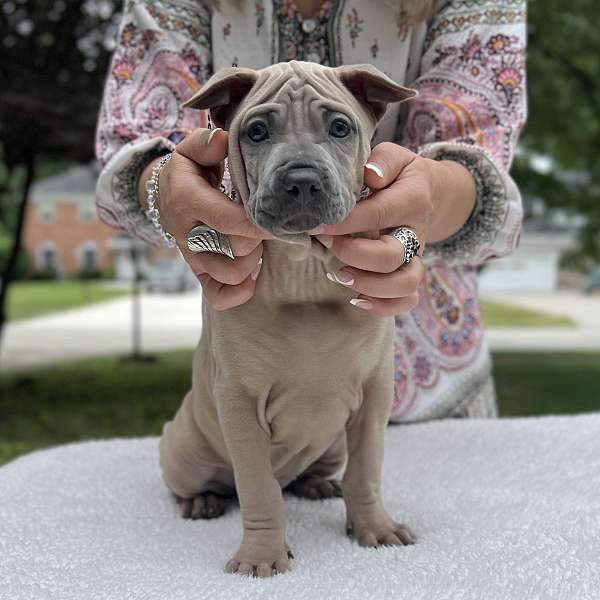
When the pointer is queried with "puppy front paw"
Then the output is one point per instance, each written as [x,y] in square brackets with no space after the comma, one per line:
[379,530]
[260,558]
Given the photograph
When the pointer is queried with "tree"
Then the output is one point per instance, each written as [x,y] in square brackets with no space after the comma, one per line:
[55,54]
[564,112]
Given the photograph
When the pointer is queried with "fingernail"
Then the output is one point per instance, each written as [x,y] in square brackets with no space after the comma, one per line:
[341,277]
[375,168]
[317,230]
[256,271]
[326,240]
[212,134]
[360,303]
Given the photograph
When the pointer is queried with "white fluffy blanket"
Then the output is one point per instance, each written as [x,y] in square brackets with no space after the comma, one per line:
[506,509]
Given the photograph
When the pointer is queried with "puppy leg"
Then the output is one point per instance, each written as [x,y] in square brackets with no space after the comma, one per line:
[263,551]
[191,468]
[367,520]
[317,482]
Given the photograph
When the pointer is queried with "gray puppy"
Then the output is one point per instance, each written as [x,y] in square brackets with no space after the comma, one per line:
[295,383]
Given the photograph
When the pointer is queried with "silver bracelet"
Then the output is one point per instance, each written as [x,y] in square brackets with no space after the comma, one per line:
[151,198]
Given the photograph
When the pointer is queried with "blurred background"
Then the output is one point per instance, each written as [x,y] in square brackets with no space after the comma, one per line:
[97,330]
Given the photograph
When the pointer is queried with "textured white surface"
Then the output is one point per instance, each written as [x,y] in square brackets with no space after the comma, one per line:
[504,509]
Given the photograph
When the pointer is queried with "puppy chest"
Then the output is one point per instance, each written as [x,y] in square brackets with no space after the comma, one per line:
[309,418]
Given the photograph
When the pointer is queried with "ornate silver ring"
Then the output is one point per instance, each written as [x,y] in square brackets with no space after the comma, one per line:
[206,239]
[408,238]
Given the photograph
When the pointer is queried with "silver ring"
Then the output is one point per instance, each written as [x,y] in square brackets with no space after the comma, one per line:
[408,238]
[206,239]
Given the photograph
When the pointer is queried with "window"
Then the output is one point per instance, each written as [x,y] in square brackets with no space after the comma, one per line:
[46,212]
[89,260]
[48,260]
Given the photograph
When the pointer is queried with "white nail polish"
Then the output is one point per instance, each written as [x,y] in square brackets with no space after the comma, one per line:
[326,240]
[212,134]
[342,278]
[256,271]
[375,168]
[360,303]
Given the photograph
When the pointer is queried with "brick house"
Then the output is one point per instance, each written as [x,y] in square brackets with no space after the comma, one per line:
[63,233]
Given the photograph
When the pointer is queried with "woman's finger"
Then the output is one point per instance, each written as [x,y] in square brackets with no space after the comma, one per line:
[221,296]
[242,246]
[206,205]
[386,307]
[222,268]
[386,162]
[384,255]
[402,203]
[206,147]
[399,284]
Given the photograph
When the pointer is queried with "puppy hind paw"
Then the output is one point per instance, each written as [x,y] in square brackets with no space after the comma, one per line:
[315,488]
[203,506]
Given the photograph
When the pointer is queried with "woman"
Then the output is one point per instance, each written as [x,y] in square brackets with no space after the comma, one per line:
[438,165]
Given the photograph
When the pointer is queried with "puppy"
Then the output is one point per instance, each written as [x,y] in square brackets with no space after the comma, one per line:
[295,383]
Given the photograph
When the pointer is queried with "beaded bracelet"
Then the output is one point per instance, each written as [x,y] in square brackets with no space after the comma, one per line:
[152,195]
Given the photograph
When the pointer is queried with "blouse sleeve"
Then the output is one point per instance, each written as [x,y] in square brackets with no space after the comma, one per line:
[162,57]
[470,109]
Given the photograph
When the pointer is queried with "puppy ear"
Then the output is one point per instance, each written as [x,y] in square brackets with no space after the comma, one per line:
[372,87]
[222,93]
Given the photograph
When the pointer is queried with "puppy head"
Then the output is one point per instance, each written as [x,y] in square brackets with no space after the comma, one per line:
[299,137]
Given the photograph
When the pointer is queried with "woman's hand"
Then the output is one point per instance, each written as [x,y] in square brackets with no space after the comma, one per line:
[434,198]
[188,198]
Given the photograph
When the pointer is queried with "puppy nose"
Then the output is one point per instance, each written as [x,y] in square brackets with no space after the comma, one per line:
[302,183]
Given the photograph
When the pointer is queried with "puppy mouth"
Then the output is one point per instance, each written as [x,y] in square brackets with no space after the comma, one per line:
[297,222]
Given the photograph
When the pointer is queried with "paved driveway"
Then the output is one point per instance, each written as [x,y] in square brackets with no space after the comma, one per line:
[174,321]
[169,321]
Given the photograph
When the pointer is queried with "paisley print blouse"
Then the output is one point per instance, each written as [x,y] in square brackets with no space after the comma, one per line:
[468,63]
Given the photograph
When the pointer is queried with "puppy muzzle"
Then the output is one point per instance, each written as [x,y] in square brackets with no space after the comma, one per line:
[301,199]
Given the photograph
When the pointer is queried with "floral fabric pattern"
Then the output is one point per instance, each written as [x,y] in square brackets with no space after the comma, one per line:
[162,57]
[354,23]
[472,98]
[468,64]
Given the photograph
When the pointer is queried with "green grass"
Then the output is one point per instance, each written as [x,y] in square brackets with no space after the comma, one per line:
[111,397]
[97,398]
[535,383]
[32,298]
[506,315]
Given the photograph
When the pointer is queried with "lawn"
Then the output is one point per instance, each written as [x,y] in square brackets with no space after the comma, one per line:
[32,298]
[506,315]
[112,397]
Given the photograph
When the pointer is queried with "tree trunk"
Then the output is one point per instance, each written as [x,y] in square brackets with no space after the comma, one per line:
[9,269]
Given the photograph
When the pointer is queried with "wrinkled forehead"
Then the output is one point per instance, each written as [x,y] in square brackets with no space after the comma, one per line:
[295,95]
[300,101]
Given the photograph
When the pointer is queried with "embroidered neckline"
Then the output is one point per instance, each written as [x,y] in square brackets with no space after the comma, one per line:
[304,38]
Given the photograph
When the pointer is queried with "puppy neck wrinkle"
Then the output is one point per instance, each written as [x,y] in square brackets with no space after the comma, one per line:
[286,281]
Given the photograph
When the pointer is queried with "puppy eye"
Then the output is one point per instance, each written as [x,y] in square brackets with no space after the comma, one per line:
[339,128]
[258,131]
